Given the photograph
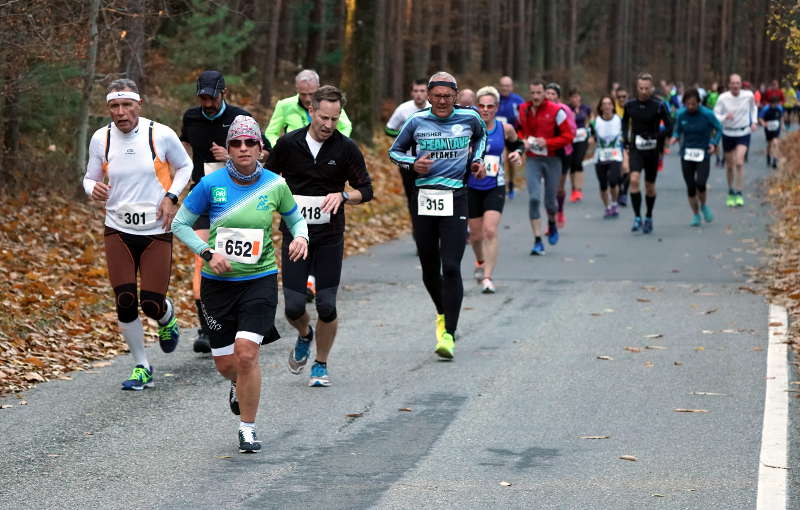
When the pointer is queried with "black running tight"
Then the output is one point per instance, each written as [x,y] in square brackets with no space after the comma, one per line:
[695,174]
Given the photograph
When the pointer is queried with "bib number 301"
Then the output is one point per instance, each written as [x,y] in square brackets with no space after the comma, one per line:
[435,202]
[242,245]
[137,216]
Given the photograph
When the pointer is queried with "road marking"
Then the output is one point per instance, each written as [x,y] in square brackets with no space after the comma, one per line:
[773,462]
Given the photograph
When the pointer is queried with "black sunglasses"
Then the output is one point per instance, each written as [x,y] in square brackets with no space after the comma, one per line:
[238,143]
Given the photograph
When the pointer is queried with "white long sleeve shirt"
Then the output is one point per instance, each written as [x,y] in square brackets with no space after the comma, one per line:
[138,182]
[744,110]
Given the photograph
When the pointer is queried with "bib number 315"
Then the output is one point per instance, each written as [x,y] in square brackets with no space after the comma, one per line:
[242,245]
[435,202]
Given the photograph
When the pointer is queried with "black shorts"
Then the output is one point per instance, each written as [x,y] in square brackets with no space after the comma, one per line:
[644,161]
[203,223]
[481,200]
[731,142]
[239,309]
[771,135]
[576,158]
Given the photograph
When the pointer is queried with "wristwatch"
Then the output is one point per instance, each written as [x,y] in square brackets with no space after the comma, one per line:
[172,197]
[345,196]
[207,255]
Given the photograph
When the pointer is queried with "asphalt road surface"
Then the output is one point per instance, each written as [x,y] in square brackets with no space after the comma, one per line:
[525,385]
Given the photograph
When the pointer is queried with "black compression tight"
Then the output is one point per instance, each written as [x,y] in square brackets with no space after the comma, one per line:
[440,244]
[695,174]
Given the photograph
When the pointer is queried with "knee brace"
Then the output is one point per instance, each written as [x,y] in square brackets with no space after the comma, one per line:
[127,304]
[154,305]
[326,304]
[295,303]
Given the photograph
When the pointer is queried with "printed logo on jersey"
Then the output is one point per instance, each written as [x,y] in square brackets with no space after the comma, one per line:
[219,194]
[332,162]
[263,203]
[129,153]
[457,129]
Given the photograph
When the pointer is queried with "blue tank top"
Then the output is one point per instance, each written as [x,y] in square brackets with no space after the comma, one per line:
[495,143]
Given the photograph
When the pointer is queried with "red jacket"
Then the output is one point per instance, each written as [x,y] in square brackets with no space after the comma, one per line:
[549,121]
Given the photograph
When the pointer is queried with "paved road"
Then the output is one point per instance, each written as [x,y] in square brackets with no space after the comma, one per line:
[525,384]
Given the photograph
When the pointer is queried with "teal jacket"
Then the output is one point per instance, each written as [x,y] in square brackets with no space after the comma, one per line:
[289,115]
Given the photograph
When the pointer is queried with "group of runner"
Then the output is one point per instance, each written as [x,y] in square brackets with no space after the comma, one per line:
[456,161]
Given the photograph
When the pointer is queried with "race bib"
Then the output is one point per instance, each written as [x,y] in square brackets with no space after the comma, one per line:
[492,165]
[137,216]
[581,135]
[773,125]
[645,144]
[311,209]
[435,202]
[539,150]
[242,245]
[611,154]
[212,167]
[694,154]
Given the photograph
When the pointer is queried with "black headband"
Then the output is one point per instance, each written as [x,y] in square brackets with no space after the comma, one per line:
[442,84]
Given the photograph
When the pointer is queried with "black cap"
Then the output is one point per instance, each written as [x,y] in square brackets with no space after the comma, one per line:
[210,83]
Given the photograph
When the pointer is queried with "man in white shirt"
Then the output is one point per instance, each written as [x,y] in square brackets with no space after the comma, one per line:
[737,111]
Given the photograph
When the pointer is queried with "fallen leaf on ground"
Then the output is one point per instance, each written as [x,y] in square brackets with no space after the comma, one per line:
[6,406]
[690,410]
[223,456]
[405,409]
[597,314]
[709,393]
[709,312]
[101,364]
[699,348]
[649,364]
[728,331]
[643,300]
[655,347]
[628,457]
[775,324]
[606,358]
[632,349]
[658,495]
[23,402]
[609,310]
[708,332]
[505,484]
[677,363]
[593,437]
[654,335]
[354,415]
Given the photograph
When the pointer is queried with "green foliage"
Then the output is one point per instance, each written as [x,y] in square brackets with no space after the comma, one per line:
[49,101]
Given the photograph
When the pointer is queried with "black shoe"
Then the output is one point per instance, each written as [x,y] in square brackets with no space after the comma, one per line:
[202,343]
[232,400]
[248,443]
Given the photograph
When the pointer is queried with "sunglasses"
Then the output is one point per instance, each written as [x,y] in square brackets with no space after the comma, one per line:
[487,106]
[248,143]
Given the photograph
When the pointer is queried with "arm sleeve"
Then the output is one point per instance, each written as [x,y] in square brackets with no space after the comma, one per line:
[395,123]
[357,174]
[276,123]
[403,142]
[626,120]
[478,140]
[94,167]
[178,159]
[291,214]
[717,127]
[565,132]
[182,228]
[344,125]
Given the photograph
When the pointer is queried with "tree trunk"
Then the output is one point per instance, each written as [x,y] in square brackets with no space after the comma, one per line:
[269,69]
[397,38]
[522,56]
[573,39]
[699,70]
[316,30]
[88,84]
[552,27]
[133,44]
[11,130]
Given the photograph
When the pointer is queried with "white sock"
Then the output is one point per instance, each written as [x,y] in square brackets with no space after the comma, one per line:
[245,425]
[133,332]
[167,315]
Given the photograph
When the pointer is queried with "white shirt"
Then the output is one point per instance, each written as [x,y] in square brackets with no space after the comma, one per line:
[744,110]
[402,113]
[313,145]
[137,189]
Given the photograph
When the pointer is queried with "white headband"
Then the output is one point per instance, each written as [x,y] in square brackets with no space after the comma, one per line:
[123,94]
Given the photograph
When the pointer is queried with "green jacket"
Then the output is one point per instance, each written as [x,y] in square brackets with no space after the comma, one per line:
[289,115]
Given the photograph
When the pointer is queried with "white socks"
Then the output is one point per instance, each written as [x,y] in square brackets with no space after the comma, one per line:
[167,315]
[133,332]
[245,425]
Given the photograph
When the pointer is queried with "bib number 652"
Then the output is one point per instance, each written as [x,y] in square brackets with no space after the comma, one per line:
[434,202]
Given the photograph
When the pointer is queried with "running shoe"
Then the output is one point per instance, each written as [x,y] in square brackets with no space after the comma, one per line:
[731,200]
[607,214]
[774,163]
[552,237]
[233,402]
[695,220]
[319,376]
[648,226]
[538,248]
[614,211]
[478,273]
[298,356]
[661,164]
[248,442]
[622,200]
[488,286]
[202,342]
[140,379]
[739,200]
[707,214]
[561,219]
[445,346]
[580,195]
[637,224]
[170,333]
[439,326]
[574,196]
[511,194]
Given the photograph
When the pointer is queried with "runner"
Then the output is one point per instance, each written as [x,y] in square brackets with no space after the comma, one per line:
[486,197]
[580,144]
[418,101]
[508,112]
[770,117]
[621,97]
[606,129]
[699,132]
[447,139]
[790,104]
[466,99]
[129,170]
[293,113]
[736,110]
[203,134]
[545,128]
[552,92]
[773,92]
[710,102]
[317,161]
[240,285]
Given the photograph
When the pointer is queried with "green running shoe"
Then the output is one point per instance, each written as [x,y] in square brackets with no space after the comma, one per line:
[731,200]
[140,379]
[439,327]
[445,346]
[169,334]
[739,200]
